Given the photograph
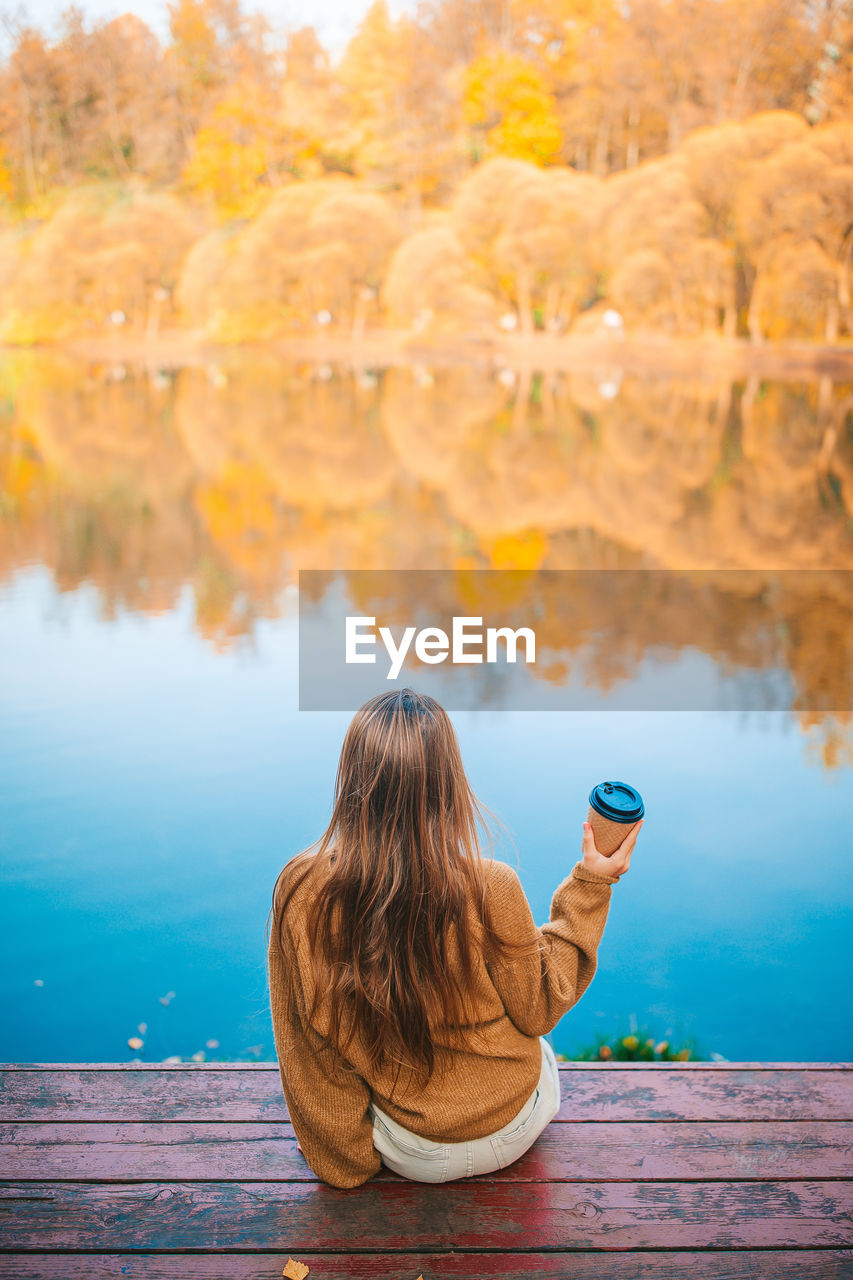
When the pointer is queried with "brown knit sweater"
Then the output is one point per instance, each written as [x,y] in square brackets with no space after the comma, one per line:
[483,1077]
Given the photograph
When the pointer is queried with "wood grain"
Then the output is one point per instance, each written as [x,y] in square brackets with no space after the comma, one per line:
[736,1171]
[402,1216]
[639,1094]
[112,1152]
[721,1265]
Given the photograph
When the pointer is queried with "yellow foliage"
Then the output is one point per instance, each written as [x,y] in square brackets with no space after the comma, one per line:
[506,98]
[795,291]
[518,550]
[238,505]
[229,157]
[429,284]
[7,186]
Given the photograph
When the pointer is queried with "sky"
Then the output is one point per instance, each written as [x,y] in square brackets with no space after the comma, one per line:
[334,20]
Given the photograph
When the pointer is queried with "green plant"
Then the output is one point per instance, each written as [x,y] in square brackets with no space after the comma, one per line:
[639,1045]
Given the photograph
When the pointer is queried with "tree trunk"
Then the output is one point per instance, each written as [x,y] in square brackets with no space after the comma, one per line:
[747,404]
[549,399]
[359,314]
[723,404]
[569,307]
[29,157]
[551,313]
[752,324]
[632,150]
[152,323]
[522,400]
[677,293]
[525,302]
[825,407]
[113,123]
[730,315]
[602,147]
[673,122]
[843,276]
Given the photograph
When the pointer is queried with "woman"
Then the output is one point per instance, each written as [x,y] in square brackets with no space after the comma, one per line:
[410,989]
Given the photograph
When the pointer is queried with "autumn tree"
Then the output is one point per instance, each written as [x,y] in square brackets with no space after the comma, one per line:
[432,283]
[372,75]
[31,105]
[232,160]
[310,105]
[665,268]
[509,109]
[794,218]
[354,234]
[546,245]
[574,45]
[316,247]
[109,256]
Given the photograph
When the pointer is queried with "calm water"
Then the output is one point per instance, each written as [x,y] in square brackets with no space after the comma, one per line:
[155,773]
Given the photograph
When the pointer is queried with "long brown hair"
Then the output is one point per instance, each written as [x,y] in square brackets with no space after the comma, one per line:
[404,863]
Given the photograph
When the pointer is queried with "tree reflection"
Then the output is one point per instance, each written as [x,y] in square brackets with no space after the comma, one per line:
[226,478]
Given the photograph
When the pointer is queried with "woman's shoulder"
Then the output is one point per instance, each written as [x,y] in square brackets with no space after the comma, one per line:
[500,874]
[501,885]
[299,876]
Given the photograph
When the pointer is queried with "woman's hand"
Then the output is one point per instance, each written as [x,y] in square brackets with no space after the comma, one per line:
[619,862]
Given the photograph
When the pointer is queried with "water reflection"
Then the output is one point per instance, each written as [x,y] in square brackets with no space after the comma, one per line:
[229,475]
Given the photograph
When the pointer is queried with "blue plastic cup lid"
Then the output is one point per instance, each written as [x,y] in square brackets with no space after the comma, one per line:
[617,801]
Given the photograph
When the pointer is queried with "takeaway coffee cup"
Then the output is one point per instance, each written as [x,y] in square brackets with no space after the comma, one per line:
[614,807]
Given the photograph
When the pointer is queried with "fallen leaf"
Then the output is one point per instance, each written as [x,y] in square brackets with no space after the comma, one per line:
[142,1028]
[135,1043]
[297,1270]
[212,1044]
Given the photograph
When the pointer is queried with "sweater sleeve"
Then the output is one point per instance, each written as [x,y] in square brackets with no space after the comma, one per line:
[330,1116]
[537,989]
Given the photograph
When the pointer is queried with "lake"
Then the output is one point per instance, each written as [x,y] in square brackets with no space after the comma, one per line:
[155,771]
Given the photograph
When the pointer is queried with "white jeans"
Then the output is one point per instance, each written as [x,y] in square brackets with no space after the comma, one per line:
[426,1161]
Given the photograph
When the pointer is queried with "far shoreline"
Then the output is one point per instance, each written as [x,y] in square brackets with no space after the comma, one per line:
[640,352]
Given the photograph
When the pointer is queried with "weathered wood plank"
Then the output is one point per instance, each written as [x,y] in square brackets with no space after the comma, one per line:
[724,1065]
[723,1265]
[641,1094]
[579,1152]
[403,1216]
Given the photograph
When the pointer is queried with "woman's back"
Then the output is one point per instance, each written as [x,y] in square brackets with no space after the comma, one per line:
[484,1070]
[406,971]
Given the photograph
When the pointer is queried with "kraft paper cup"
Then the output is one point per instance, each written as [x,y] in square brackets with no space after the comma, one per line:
[614,807]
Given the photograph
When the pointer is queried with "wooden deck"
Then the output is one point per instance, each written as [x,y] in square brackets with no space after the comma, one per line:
[650,1172]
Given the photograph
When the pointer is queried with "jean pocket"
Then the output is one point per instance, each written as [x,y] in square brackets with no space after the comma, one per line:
[429,1151]
[421,1164]
[512,1144]
[518,1130]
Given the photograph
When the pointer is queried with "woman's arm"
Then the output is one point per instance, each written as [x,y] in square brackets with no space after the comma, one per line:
[537,989]
[329,1116]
